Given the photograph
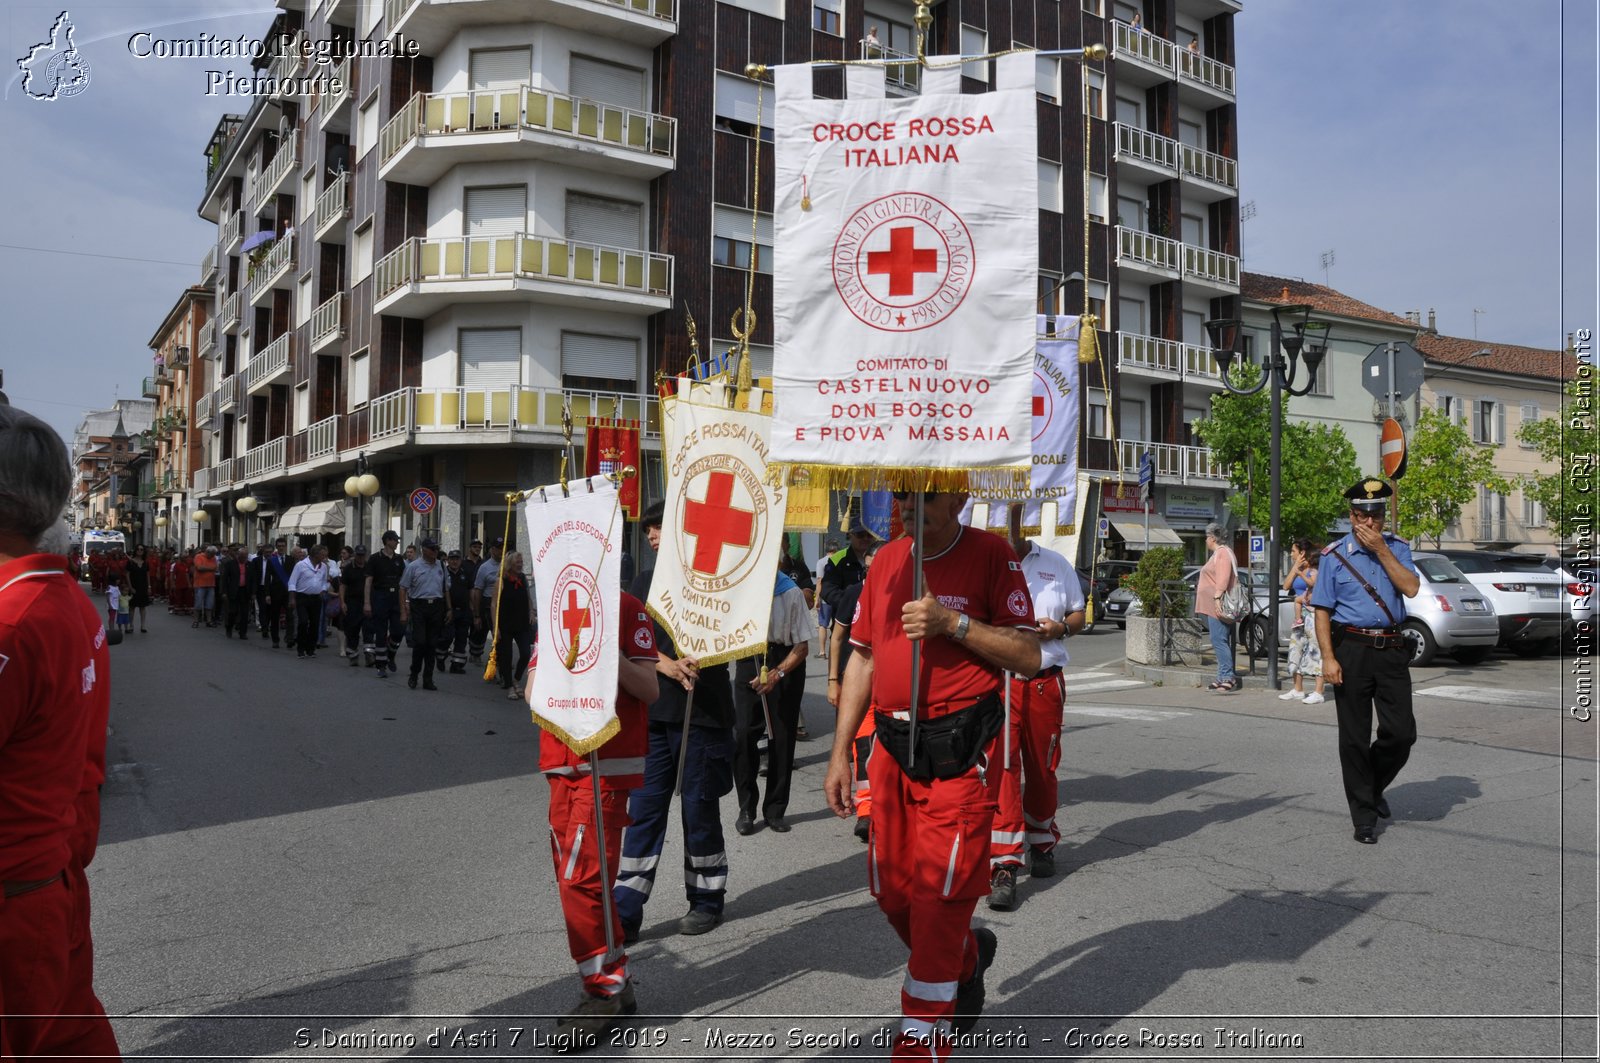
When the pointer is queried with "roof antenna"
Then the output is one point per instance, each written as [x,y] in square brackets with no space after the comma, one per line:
[1475,313]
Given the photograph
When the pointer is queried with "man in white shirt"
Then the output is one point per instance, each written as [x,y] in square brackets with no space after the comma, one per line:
[308,587]
[1025,823]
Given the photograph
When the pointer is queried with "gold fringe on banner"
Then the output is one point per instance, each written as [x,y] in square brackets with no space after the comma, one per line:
[581,746]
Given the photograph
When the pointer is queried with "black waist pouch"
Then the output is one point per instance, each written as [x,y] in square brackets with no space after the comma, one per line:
[948,745]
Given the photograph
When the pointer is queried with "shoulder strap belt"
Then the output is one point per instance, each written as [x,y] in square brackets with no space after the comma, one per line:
[1374,595]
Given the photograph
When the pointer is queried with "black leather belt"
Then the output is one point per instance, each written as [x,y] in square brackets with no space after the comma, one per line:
[17,889]
[1049,673]
[1379,638]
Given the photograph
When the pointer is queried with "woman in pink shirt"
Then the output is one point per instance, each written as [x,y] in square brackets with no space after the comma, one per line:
[1216,579]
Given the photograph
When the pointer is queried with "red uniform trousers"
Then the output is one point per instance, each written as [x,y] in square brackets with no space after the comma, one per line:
[1028,794]
[46,969]
[927,868]
[860,753]
[577,863]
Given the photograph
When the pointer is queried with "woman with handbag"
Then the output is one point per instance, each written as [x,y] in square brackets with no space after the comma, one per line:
[1219,576]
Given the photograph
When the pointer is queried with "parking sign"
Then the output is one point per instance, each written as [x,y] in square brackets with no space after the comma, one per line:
[1258,549]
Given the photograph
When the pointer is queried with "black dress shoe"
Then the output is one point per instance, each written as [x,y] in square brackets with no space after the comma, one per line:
[1366,836]
[1383,809]
[745,824]
[427,684]
[411,681]
[778,823]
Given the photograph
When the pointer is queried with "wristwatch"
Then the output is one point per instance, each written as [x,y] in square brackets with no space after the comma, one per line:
[963,622]
[779,673]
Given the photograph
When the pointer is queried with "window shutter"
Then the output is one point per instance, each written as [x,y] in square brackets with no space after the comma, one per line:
[608,222]
[604,357]
[496,210]
[621,86]
[1499,422]
[1049,185]
[500,68]
[1047,77]
[736,99]
[733,223]
[491,357]
[360,385]
[302,407]
[1098,197]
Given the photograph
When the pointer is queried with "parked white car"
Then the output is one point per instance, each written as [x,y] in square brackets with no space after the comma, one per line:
[1529,600]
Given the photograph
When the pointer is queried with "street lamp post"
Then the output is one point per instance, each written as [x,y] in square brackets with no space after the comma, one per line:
[359,487]
[1309,340]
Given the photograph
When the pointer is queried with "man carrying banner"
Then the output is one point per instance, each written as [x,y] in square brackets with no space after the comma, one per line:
[771,707]
[1026,821]
[608,992]
[708,775]
[933,805]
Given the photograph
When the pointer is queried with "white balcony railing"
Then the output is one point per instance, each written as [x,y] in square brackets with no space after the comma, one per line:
[517,409]
[228,393]
[222,472]
[327,322]
[1202,69]
[1150,48]
[1210,265]
[527,108]
[273,176]
[1174,464]
[269,363]
[902,79]
[228,231]
[322,438]
[208,265]
[286,64]
[1208,166]
[273,268]
[473,258]
[202,410]
[201,481]
[208,337]
[333,205]
[259,461]
[230,312]
[1199,362]
[335,100]
[1142,144]
[1138,246]
[1153,354]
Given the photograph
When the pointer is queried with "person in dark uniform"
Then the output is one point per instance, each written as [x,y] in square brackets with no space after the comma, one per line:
[423,587]
[1363,581]
[382,605]
[352,593]
[848,567]
[458,624]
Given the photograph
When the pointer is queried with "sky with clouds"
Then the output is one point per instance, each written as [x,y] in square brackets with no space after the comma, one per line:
[1444,150]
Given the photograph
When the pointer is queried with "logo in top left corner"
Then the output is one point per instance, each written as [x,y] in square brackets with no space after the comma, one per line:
[55,69]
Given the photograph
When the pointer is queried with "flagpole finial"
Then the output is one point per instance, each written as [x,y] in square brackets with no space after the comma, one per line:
[1094,52]
[924,21]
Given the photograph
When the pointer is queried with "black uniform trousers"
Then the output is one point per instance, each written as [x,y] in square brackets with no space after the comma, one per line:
[235,611]
[1373,679]
[750,723]
[307,614]
[427,625]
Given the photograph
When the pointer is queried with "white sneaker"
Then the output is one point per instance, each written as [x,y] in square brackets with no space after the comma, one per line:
[1293,695]
[1314,698]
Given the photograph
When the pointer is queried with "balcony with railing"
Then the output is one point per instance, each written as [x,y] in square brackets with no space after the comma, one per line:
[900,79]
[208,266]
[433,133]
[1200,365]
[433,23]
[276,270]
[1147,151]
[228,233]
[333,104]
[231,306]
[1148,253]
[269,365]
[332,210]
[228,394]
[208,338]
[222,473]
[322,438]
[200,482]
[327,323]
[1210,267]
[421,277]
[261,461]
[1205,73]
[151,388]
[273,177]
[1211,176]
[1174,464]
[1149,356]
[202,410]
[497,411]
[286,65]
[1143,58]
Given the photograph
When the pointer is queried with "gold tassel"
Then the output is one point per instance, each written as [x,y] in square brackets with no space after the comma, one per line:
[489,670]
[1088,340]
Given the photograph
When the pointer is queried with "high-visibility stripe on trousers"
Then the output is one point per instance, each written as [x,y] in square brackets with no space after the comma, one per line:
[927,867]
[860,754]
[576,855]
[1028,795]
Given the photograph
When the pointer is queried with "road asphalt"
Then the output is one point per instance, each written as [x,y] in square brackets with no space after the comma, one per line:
[300,861]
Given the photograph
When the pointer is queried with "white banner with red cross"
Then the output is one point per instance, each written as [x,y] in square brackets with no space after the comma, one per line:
[905,274]
[573,562]
[721,530]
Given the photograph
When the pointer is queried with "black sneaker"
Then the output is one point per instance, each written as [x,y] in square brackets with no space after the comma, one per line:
[1003,888]
[864,828]
[970,994]
[411,680]
[699,921]
[1042,863]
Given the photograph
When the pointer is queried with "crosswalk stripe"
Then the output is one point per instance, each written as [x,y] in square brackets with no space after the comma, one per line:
[1120,712]
[1105,684]
[1088,675]
[1489,695]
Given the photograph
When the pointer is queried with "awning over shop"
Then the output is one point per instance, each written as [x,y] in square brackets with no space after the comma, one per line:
[313,518]
[1132,532]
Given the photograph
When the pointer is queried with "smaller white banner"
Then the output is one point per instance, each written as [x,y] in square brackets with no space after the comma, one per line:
[574,563]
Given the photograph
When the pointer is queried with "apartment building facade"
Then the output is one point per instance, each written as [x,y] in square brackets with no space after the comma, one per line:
[415,267]
[172,444]
[105,458]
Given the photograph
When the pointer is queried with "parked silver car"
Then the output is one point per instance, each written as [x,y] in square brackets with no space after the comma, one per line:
[1449,613]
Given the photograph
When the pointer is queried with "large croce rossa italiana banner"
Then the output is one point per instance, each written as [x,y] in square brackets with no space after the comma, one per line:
[906,269]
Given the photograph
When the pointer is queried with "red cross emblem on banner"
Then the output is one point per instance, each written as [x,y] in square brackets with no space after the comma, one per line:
[1044,406]
[716,523]
[575,619]
[578,618]
[903,261]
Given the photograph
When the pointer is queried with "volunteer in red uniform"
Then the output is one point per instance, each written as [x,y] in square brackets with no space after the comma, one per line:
[55,697]
[933,805]
[1025,825]
[608,993]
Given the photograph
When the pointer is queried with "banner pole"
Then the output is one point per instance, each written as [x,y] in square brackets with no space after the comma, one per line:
[683,745]
[606,902]
[1005,677]
[917,589]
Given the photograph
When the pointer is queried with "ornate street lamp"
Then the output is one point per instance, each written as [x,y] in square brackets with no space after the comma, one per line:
[362,485]
[1308,340]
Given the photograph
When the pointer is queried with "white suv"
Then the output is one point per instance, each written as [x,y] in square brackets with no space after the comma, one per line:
[1529,599]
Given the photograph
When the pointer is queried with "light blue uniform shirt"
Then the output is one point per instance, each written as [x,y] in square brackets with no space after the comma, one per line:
[1338,590]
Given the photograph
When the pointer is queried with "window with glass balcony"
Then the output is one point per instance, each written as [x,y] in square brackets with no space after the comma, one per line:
[731,233]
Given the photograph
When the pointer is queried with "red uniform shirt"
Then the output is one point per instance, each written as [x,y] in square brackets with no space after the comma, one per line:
[979,575]
[55,699]
[621,758]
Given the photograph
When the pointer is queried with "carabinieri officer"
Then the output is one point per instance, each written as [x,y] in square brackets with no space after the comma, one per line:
[1360,595]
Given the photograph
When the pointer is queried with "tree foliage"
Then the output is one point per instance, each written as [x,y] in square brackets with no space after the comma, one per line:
[1319,461]
[1444,469]
[1570,443]
[1158,566]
